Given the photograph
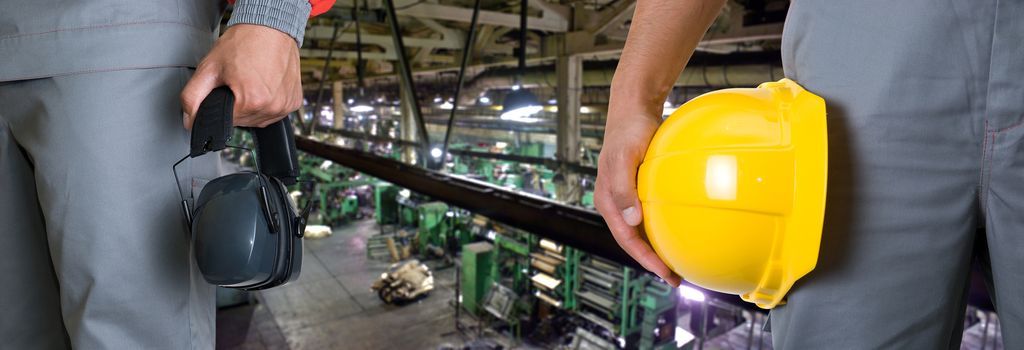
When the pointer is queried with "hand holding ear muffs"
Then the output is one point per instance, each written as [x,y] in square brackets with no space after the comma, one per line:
[246,233]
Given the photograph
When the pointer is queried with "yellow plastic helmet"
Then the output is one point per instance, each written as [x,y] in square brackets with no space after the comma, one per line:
[733,189]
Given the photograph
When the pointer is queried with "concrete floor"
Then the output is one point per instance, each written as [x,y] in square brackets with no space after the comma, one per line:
[331,306]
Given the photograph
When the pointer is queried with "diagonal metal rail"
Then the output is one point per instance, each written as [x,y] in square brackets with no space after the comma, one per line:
[580,228]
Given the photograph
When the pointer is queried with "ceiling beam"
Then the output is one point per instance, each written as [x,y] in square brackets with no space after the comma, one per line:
[324,33]
[548,22]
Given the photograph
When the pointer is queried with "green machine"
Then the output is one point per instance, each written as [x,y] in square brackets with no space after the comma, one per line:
[386,205]
[477,260]
[657,317]
[433,228]
[630,304]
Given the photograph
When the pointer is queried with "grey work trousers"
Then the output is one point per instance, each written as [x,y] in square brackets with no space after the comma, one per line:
[925,107]
[93,249]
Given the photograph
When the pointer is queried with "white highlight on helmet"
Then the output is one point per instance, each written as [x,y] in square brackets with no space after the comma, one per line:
[720,178]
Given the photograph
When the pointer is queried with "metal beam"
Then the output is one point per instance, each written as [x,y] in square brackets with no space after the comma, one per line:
[577,227]
[549,23]
[617,14]
[408,86]
[324,33]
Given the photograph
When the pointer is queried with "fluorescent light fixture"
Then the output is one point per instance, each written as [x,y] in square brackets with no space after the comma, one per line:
[446,105]
[691,293]
[437,99]
[552,102]
[436,152]
[515,87]
[485,100]
[501,144]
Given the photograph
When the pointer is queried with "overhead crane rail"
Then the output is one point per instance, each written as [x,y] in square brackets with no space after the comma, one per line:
[577,227]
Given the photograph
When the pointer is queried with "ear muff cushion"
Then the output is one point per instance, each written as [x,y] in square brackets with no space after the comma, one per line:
[289,257]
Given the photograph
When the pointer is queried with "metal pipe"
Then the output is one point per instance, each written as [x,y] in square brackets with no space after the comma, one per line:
[522,36]
[359,53]
[323,79]
[466,52]
[406,80]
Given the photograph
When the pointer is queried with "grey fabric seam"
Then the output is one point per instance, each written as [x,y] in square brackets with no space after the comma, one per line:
[14,36]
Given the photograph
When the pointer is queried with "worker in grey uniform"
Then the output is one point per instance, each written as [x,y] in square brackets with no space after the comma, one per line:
[93,248]
[925,104]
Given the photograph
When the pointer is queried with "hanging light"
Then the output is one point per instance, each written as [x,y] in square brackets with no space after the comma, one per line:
[520,104]
[361,103]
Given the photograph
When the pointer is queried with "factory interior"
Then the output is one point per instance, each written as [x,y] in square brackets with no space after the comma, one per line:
[448,158]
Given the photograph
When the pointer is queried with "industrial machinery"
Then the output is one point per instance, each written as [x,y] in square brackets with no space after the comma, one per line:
[475,275]
[385,203]
[554,273]
[627,304]
[404,281]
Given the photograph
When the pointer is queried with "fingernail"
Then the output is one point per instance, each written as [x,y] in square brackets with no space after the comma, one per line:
[632,216]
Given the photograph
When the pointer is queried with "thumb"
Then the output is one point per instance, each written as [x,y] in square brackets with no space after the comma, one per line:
[622,186]
[195,91]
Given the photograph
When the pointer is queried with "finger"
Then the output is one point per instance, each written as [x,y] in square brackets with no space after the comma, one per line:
[618,173]
[204,80]
[254,103]
[629,238]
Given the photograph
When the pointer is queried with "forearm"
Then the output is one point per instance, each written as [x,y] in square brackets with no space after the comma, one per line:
[661,39]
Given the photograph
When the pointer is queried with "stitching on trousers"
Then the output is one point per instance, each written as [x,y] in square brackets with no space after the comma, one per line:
[982,184]
[1011,127]
[101,26]
[100,70]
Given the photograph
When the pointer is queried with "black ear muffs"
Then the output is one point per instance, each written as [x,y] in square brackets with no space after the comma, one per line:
[246,233]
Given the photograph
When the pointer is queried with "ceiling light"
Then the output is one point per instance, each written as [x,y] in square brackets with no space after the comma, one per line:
[447,105]
[485,100]
[520,104]
[361,105]
[436,152]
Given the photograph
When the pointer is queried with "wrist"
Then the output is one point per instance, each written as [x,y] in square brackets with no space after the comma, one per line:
[286,16]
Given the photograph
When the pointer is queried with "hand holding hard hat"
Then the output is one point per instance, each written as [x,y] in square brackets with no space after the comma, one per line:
[732,189]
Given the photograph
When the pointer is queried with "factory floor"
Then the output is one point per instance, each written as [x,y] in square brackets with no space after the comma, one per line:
[331,305]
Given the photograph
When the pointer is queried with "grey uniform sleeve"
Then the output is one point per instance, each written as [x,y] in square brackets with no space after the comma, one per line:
[288,16]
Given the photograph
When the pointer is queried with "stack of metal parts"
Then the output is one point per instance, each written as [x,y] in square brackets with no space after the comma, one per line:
[600,293]
[546,264]
[584,340]
[394,247]
[500,301]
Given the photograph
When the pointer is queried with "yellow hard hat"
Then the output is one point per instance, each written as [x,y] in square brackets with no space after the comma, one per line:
[733,189]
